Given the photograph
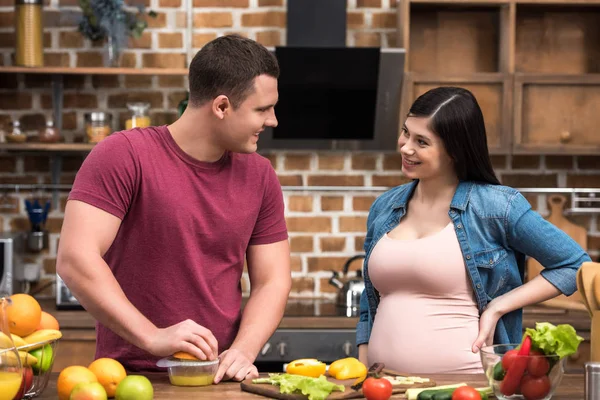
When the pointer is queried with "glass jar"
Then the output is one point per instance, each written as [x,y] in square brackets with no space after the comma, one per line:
[50,134]
[139,115]
[97,126]
[16,135]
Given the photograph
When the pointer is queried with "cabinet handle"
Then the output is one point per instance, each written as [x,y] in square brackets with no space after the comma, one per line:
[565,136]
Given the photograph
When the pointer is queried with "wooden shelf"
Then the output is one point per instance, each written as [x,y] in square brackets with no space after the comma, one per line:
[49,147]
[463,2]
[94,71]
[559,2]
[502,2]
[478,77]
[557,79]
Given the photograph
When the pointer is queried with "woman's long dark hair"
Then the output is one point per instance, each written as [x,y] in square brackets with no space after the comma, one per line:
[457,119]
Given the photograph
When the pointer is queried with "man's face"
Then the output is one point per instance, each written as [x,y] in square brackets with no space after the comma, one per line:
[244,124]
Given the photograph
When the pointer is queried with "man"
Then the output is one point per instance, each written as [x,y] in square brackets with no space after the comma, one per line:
[160,220]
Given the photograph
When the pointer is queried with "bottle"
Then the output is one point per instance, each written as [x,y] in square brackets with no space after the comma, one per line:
[16,135]
[139,115]
[29,51]
[50,134]
[11,369]
[97,126]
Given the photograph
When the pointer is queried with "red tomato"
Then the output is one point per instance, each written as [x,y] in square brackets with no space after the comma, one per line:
[508,358]
[535,388]
[377,388]
[466,393]
[538,365]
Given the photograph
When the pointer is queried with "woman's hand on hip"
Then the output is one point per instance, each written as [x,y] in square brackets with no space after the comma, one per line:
[487,326]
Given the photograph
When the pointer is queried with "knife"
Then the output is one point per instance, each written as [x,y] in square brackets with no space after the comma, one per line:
[374,370]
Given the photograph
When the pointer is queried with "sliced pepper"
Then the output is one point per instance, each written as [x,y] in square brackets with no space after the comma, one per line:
[306,367]
[347,368]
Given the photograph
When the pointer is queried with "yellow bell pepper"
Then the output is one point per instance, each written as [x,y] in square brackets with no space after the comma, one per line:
[306,367]
[347,368]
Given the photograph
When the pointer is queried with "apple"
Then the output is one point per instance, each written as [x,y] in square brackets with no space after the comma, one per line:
[135,387]
[26,383]
[88,391]
[44,356]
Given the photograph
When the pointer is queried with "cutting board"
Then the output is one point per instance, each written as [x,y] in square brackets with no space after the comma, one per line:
[272,391]
[556,203]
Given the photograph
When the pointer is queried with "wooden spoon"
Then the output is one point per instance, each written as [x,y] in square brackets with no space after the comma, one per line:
[589,271]
[582,291]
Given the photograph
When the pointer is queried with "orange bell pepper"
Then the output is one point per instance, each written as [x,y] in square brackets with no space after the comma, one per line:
[347,368]
[306,367]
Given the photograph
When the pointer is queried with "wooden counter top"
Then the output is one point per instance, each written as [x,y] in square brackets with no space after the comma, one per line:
[300,315]
[571,388]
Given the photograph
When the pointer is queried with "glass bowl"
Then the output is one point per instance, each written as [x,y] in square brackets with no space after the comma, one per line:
[36,376]
[188,372]
[539,381]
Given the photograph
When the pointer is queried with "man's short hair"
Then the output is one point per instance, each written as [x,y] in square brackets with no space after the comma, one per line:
[227,66]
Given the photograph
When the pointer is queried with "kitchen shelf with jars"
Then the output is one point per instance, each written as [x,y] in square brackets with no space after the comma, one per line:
[534,66]
[97,124]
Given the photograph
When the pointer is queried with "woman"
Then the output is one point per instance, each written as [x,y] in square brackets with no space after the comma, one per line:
[445,253]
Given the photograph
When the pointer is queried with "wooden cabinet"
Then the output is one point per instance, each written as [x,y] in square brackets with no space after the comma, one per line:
[491,90]
[555,114]
[533,65]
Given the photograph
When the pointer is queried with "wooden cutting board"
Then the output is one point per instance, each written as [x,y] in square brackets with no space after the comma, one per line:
[579,234]
[272,391]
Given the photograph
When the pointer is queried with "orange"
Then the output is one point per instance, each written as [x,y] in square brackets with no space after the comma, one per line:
[71,376]
[24,314]
[109,372]
[182,355]
[48,322]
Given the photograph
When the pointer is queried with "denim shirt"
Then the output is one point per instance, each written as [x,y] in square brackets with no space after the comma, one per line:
[496,229]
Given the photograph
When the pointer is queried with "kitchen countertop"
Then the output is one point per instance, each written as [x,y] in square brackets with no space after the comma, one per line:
[323,314]
[571,388]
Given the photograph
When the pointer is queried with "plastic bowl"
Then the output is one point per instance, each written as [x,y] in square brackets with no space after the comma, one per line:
[532,385]
[190,373]
[45,362]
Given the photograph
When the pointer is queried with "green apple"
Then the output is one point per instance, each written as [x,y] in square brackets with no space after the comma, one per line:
[44,356]
[135,387]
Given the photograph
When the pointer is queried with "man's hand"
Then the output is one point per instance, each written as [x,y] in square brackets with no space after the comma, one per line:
[235,365]
[185,336]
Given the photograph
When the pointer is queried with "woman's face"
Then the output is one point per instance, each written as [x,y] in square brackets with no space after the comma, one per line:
[423,153]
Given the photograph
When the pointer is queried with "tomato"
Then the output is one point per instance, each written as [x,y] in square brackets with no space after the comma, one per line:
[509,358]
[538,365]
[377,388]
[535,388]
[466,393]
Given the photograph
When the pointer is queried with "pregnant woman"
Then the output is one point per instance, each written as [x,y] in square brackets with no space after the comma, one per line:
[445,253]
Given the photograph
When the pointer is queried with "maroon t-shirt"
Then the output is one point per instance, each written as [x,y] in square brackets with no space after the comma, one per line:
[186,225]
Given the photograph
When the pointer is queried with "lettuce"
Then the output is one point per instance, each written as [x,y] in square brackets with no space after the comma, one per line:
[561,340]
[315,388]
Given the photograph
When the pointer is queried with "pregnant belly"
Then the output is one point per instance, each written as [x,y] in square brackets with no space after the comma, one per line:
[425,335]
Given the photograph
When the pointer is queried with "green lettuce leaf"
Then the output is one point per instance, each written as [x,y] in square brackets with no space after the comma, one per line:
[561,340]
[315,388]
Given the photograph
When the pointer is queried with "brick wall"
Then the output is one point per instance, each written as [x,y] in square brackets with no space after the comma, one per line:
[326,227]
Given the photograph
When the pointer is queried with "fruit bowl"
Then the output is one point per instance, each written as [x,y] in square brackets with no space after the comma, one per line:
[540,379]
[36,376]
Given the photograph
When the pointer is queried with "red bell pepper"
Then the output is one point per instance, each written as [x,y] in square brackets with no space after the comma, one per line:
[511,381]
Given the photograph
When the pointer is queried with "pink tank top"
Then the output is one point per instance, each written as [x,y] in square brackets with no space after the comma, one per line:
[427,318]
